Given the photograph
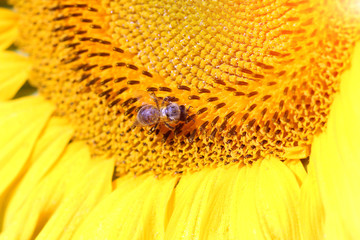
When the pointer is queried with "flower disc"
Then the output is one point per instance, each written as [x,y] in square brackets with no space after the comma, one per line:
[258,76]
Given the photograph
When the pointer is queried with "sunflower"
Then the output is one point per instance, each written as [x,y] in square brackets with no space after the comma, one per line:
[266,146]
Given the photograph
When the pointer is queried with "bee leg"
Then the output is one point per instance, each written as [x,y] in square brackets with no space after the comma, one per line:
[189,118]
[170,127]
[152,130]
[135,124]
[189,115]
[154,97]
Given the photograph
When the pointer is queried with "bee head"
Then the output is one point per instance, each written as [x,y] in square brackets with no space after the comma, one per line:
[172,112]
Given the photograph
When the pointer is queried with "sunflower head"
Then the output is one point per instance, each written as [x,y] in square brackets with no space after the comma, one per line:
[172,87]
[256,77]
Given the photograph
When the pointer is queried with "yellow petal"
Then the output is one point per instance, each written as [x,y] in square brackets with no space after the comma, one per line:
[217,221]
[21,126]
[45,154]
[336,159]
[193,199]
[298,170]
[14,71]
[137,209]
[45,198]
[253,202]
[76,205]
[265,203]
[311,212]
[8,28]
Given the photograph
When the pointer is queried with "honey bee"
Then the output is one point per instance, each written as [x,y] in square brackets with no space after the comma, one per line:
[168,113]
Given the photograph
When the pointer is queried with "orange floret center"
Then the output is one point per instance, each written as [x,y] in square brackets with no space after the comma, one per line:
[259,76]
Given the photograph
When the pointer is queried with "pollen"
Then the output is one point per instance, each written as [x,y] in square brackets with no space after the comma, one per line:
[257,77]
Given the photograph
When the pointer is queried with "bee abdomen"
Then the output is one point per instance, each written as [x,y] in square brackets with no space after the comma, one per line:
[148,115]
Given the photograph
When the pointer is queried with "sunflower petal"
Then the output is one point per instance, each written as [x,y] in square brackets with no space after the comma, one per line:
[78,203]
[137,209]
[14,72]
[311,213]
[217,224]
[253,202]
[8,28]
[206,204]
[298,169]
[336,158]
[193,198]
[21,127]
[265,204]
[45,154]
[28,220]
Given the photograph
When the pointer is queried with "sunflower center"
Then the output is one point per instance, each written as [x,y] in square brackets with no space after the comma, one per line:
[256,78]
